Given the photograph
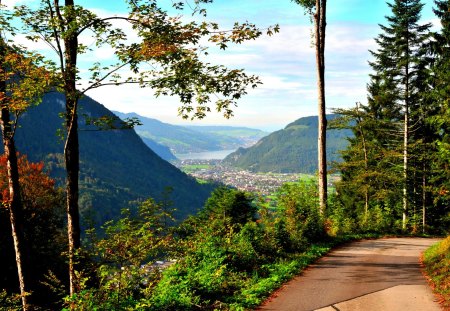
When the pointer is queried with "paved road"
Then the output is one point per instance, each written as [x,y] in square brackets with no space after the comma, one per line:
[369,275]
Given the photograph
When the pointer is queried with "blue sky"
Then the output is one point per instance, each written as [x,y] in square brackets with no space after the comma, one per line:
[285,62]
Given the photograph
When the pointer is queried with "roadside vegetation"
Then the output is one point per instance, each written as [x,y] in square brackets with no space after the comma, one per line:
[230,256]
[437,265]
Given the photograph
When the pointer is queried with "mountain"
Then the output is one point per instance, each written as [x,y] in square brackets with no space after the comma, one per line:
[290,150]
[161,150]
[193,139]
[116,167]
[243,136]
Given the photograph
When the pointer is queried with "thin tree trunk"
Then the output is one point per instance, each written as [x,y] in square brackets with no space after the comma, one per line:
[366,164]
[405,139]
[405,167]
[320,23]
[424,196]
[15,203]
[71,148]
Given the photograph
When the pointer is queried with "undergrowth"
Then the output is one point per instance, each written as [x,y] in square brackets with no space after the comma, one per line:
[437,265]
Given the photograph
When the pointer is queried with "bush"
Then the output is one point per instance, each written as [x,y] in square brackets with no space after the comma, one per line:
[298,209]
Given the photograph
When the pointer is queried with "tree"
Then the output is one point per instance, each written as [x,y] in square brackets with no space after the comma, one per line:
[230,207]
[42,230]
[124,259]
[22,82]
[369,181]
[398,67]
[440,95]
[166,58]
[318,12]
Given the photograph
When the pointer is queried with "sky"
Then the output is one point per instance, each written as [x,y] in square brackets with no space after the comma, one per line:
[285,62]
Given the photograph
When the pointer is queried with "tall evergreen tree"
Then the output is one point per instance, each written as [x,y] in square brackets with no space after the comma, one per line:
[368,181]
[399,70]
[440,96]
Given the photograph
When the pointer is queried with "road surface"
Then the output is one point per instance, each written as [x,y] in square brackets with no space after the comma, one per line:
[368,275]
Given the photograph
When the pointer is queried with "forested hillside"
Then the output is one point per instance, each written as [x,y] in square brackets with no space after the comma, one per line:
[290,150]
[116,166]
[192,139]
[161,150]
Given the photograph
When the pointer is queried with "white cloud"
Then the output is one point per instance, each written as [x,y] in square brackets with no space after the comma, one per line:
[11,3]
[286,65]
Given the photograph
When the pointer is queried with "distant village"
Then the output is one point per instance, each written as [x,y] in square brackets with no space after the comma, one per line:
[214,170]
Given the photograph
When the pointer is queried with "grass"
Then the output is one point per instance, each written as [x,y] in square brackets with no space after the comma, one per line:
[437,266]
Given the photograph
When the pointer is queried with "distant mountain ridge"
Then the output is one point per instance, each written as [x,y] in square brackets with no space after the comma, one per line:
[192,138]
[116,166]
[290,150]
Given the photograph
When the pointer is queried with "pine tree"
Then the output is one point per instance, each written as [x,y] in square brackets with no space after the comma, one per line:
[368,181]
[399,76]
[440,120]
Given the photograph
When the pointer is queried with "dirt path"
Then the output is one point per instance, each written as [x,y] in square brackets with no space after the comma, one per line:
[381,275]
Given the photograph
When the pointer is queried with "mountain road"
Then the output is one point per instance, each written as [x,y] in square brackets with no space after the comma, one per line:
[369,275]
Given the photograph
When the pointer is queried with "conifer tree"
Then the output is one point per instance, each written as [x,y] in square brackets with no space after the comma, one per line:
[399,69]
[440,96]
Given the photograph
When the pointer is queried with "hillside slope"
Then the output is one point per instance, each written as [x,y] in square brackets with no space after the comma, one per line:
[193,139]
[290,150]
[116,166]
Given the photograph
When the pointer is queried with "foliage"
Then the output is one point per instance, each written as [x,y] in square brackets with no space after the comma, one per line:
[298,210]
[390,168]
[124,262]
[166,57]
[440,162]
[228,207]
[226,262]
[233,262]
[437,265]
[9,303]
[26,77]
[169,44]
[43,228]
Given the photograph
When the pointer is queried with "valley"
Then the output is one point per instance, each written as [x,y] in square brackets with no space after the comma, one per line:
[259,183]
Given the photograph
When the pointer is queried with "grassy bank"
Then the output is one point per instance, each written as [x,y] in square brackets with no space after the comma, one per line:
[437,266]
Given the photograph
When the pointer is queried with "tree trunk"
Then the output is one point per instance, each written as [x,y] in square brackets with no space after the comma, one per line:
[366,163]
[405,166]
[424,196]
[320,23]
[15,204]
[405,142]
[71,148]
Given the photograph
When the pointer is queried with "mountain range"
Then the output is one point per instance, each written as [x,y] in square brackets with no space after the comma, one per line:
[192,139]
[116,166]
[290,150]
